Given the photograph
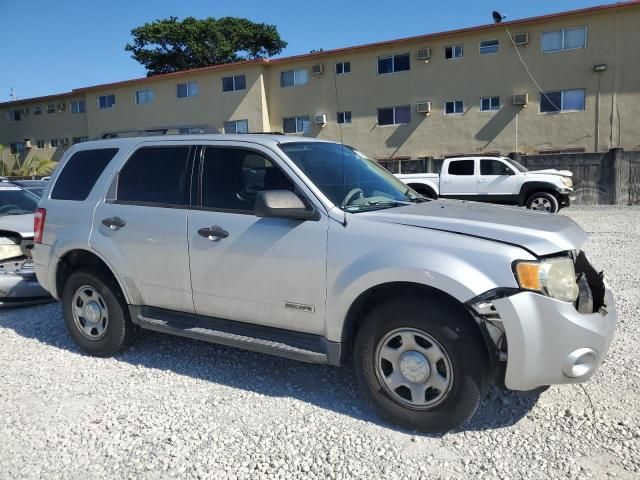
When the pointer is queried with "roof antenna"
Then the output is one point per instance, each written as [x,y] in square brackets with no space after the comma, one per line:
[497,18]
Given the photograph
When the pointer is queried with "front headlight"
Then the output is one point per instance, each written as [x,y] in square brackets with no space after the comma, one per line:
[567,182]
[554,277]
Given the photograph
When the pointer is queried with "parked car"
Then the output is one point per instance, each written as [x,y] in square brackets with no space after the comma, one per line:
[496,180]
[34,186]
[323,257]
[18,283]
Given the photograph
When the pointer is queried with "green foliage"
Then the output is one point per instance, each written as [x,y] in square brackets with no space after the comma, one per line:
[32,166]
[170,45]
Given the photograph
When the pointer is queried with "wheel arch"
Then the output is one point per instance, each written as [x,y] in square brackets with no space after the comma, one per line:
[423,188]
[77,258]
[529,188]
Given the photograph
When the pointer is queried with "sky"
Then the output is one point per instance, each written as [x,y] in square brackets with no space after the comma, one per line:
[49,47]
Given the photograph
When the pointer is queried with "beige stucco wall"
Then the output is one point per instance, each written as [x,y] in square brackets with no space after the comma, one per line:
[611,117]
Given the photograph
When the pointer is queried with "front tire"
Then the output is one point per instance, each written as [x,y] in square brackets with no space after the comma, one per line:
[421,364]
[543,201]
[95,312]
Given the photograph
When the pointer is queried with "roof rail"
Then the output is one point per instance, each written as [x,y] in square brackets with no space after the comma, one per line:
[170,130]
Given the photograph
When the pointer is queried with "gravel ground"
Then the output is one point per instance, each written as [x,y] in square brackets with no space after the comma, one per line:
[171,407]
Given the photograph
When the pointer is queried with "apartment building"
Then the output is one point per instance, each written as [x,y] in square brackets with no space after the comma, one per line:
[567,82]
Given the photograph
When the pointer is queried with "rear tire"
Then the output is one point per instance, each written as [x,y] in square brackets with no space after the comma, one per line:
[543,201]
[436,396]
[96,313]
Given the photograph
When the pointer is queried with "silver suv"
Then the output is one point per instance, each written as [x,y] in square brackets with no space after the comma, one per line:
[308,250]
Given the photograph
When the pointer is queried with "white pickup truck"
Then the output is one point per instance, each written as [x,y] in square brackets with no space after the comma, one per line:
[495,180]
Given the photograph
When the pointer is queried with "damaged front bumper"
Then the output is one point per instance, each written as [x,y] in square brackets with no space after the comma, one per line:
[19,285]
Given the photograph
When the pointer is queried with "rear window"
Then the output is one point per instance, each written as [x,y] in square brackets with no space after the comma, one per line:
[156,175]
[461,167]
[80,173]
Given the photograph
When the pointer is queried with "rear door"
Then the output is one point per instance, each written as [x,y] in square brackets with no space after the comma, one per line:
[266,271]
[141,228]
[496,178]
[459,178]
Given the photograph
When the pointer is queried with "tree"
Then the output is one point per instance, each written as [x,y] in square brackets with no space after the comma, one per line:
[170,45]
[32,166]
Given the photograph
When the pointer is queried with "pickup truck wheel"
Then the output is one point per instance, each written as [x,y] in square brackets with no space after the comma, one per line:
[95,312]
[544,201]
[421,364]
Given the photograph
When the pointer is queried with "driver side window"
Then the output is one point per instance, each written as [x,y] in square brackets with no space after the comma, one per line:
[494,167]
[232,177]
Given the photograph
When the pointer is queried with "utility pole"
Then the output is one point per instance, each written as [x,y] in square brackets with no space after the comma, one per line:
[12,95]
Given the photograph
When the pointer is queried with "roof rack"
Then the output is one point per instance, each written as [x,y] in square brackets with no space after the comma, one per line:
[156,131]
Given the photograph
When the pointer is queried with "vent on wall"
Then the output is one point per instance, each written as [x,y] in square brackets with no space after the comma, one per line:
[521,99]
[423,107]
[423,54]
[317,69]
[521,39]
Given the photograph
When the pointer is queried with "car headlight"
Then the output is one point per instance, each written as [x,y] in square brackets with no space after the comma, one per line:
[567,182]
[555,277]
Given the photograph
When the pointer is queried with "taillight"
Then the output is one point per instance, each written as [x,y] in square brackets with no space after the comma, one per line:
[38,224]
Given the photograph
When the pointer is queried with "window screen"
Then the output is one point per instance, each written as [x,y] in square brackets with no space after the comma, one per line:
[80,174]
[231,178]
[156,175]
[461,167]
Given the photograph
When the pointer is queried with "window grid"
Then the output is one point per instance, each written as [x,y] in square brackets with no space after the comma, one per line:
[344,117]
[400,62]
[186,90]
[299,124]
[563,101]
[234,83]
[78,106]
[343,68]
[453,51]
[454,107]
[236,126]
[548,36]
[394,115]
[488,104]
[145,96]
[489,46]
[294,78]
[106,101]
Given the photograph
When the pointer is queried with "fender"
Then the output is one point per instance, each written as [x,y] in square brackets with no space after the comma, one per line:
[528,188]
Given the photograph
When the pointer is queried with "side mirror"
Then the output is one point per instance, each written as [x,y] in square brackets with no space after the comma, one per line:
[282,204]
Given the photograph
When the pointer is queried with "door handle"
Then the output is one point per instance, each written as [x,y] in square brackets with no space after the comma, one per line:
[482,181]
[213,232]
[114,223]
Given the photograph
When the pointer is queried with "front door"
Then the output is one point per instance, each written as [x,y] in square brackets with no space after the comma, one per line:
[141,229]
[496,179]
[267,271]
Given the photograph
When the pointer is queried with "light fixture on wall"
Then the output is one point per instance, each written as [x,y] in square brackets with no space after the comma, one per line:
[600,67]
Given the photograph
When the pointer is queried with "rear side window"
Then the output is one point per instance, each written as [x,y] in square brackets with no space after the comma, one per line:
[461,167]
[80,173]
[156,175]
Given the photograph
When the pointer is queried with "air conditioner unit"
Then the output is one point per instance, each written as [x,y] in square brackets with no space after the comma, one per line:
[27,143]
[423,54]
[521,99]
[521,39]
[317,69]
[320,119]
[61,106]
[423,107]
[65,141]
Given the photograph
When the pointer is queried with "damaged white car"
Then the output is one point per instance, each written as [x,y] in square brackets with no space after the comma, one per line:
[18,283]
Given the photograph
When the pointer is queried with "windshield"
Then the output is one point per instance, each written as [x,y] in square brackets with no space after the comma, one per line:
[15,201]
[349,179]
[517,165]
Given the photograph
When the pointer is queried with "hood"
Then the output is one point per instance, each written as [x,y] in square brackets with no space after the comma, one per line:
[550,171]
[20,224]
[539,232]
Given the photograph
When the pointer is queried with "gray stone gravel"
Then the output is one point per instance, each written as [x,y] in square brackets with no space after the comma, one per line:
[175,408]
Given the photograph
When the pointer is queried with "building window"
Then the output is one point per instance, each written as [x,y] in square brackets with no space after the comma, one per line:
[236,126]
[190,130]
[294,78]
[394,115]
[453,51]
[40,144]
[562,101]
[16,148]
[54,143]
[296,124]
[344,117]
[78,106]
[394,63]
[234,83]
[185,90]
[489,46]
[343,68]
[565,39]
[454,107]
[79,139]
[489,103]
[37,110]
[106,101]
[145,96]
[51,108]
[16,115]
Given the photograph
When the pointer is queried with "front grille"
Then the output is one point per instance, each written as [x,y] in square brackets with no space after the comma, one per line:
[594,279]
